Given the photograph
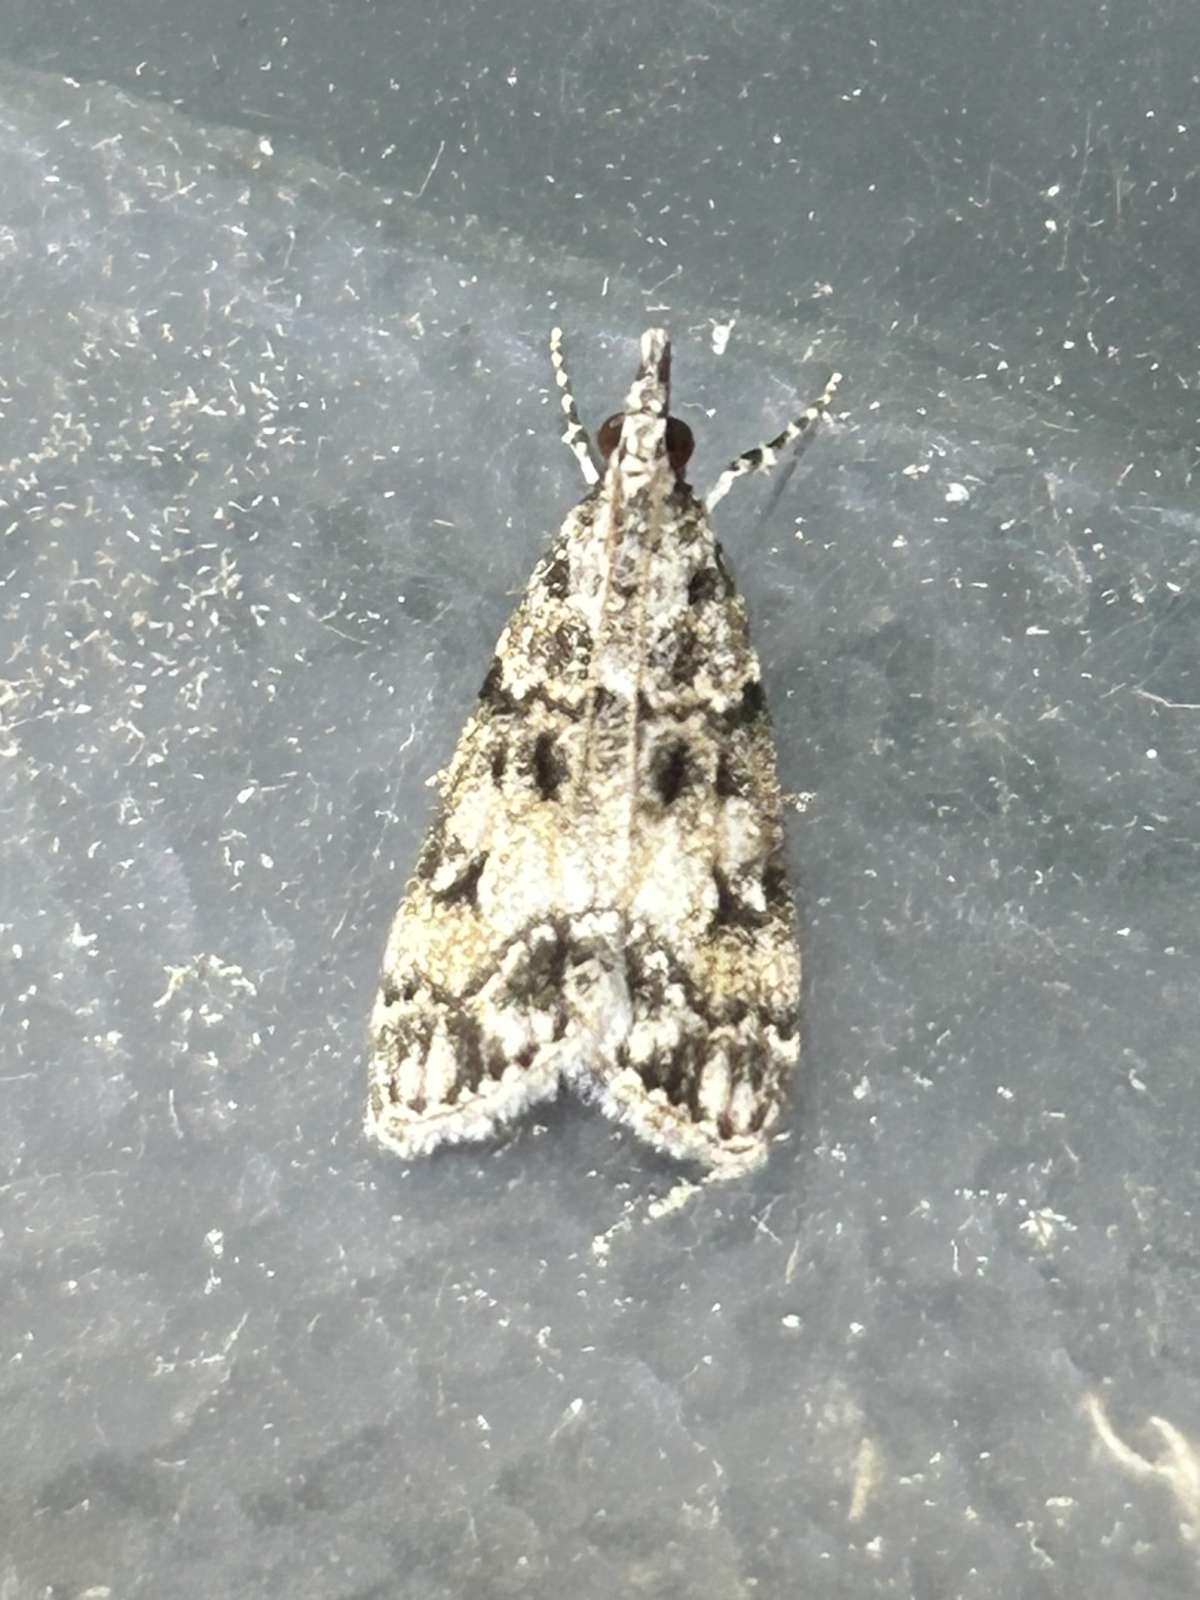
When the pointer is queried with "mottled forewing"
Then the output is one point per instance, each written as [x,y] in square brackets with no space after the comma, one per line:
[472,1019]
[711,947]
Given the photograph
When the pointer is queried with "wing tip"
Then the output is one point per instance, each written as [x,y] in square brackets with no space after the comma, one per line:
[477,1115]
[670,1129]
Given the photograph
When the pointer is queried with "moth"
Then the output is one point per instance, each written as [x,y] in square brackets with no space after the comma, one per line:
[601,900]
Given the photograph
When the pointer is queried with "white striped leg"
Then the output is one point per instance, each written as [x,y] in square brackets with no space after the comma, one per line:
[575,435]
[764,456]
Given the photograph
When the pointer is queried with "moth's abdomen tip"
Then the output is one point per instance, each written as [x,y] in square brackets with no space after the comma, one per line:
[738,1160]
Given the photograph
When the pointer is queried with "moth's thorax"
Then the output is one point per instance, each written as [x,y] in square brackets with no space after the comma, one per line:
[640,459]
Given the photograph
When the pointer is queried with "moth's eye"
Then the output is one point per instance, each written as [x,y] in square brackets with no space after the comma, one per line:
[610,432]
[680,444]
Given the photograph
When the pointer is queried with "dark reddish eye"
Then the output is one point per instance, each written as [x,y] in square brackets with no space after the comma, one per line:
[610,432]
[680,443]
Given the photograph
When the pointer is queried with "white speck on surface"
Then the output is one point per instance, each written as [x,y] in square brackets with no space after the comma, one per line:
[1044,1225]
[720,336]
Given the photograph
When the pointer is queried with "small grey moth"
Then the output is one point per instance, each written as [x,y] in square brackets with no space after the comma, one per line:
[601,900]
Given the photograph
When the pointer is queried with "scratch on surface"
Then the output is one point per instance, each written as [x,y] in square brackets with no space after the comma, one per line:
[793,1261]
[866,1479]
[1178,1465]
[433,166]
[1160,700]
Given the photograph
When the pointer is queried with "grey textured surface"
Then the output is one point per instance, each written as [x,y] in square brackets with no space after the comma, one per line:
[277,450]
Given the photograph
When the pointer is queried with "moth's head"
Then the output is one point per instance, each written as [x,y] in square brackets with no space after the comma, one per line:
[645,429]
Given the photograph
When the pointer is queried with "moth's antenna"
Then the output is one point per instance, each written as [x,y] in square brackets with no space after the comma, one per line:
[575,435]
[764,456]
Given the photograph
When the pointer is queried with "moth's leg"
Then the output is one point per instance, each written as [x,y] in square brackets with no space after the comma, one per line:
[575,435]
[764,456]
